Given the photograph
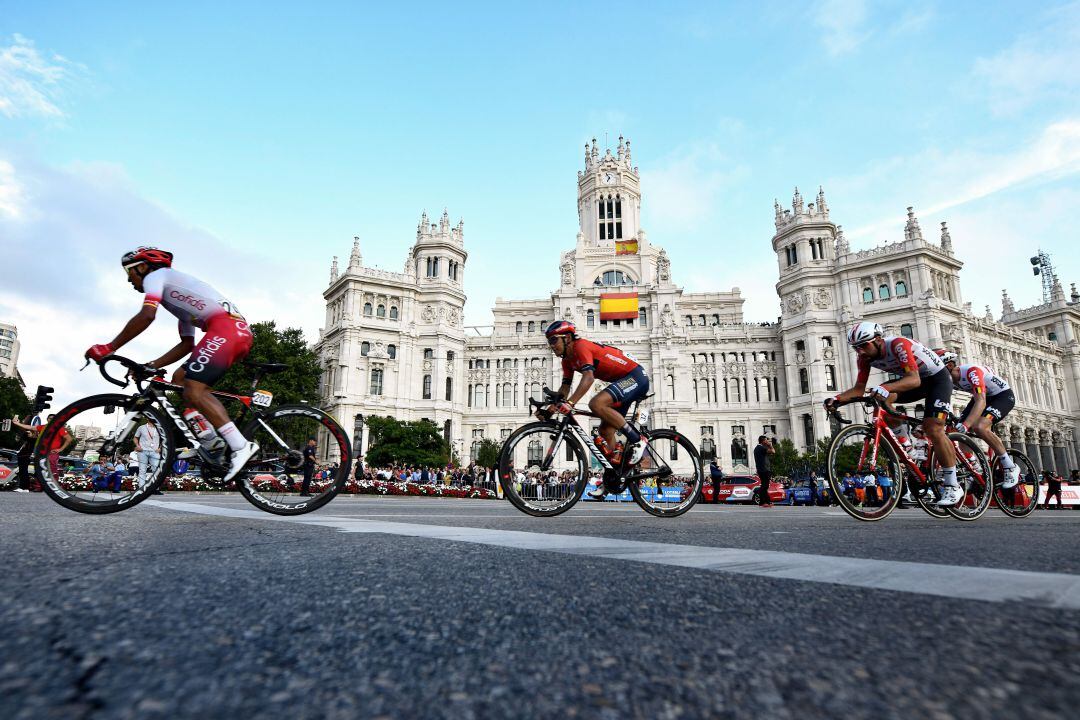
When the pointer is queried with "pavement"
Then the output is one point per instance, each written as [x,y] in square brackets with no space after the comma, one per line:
[194,605]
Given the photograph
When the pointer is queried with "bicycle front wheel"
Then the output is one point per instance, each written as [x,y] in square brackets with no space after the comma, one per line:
[1021,499]
[276,479]
[543,471]
[854,457]
[668,480]
[107,424]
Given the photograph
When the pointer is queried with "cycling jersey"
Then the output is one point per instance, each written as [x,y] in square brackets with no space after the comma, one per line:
[605,362]
[979,378]
[901,354]
[191,300]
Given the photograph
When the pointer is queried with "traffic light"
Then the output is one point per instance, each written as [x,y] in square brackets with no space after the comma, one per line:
[43,398]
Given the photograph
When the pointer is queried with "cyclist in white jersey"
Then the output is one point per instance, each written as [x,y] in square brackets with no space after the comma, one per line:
[924,377]
[196,305]
[991,400]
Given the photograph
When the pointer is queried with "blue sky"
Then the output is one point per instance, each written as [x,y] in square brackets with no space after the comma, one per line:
[257,139]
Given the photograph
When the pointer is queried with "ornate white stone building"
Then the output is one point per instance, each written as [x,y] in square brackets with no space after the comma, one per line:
[394,343]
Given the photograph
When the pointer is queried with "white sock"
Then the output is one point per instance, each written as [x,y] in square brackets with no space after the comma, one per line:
[948,476]
[1006,461]
[238,442]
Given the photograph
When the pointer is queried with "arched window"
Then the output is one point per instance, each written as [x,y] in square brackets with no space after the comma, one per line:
[393,312]
[380,311]
[590,319]
[367,309]
[643,318]
[532,326]
[614,277]
[376,381]
[671,387]
[883,292]
[427,387]
[536,452]
[449,356]
[517,326]
[905,330]
[365,348]
[391,350]
[867,295]
[429,353]
[901,288]
[702,319]
[449,390]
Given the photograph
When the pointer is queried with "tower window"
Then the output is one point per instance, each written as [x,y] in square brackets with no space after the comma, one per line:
[380,311]
[429,353]
[905,330]
[517,326]
[590,319]
[532,326]
[867,295]
[643,318]
[427,387]
[391,350]
[367,309]
[375,386]
[393,312]
[609,213]
[365,348]
[901,288]
[884,293]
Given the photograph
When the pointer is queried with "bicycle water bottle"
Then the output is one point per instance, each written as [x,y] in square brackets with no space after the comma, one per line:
[202,428]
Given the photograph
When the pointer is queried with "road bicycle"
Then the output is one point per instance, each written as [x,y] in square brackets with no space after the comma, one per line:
[544,466]
[1020,500]
[872,449]
[272,480]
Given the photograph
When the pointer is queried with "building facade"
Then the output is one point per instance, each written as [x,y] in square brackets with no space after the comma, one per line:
[395,344]
[9,351]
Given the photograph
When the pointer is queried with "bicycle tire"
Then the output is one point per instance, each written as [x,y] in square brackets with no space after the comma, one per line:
[644,499]
[926,496]
[835,465]
[280,455]
[72,493]
[519,496]
[977,486]
[1029,479]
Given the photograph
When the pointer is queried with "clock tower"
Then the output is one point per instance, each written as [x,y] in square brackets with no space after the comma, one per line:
[609,196]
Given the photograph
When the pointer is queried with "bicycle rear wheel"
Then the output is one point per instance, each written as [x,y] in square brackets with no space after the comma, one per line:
[973,474]
[677,485]
[852,454]
[107,424]
[1021,499]
[543,472]
[275,479]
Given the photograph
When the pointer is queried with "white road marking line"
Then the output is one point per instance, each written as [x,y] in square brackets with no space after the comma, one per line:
[1056,590]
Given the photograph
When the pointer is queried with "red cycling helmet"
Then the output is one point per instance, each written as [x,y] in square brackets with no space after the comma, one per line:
[560,327]
[148,255]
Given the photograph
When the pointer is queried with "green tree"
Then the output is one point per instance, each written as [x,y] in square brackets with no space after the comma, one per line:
[13,401]
[405,443]
[487,455]
[298,383]
[786,460]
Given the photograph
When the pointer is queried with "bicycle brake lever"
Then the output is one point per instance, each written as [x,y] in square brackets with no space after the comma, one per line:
[85,365]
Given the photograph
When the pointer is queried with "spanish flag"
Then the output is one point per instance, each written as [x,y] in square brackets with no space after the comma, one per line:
[619,306]
[626,247]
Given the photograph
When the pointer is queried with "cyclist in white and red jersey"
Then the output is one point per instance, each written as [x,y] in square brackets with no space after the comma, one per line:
[923,377]
[600,362]
[196,305]
[991,400]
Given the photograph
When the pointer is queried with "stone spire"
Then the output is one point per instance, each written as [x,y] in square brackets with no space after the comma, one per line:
[842,247]
[594,153]
[354,257]
[1074,295]
[822,207]
[989,317]
[912,231]
[423,226]
[779,216]
[946,239]
[797,203]
[333,270]
[619,154]
[588,160]
[626,154]
[1007,307]
[444,222]
[1057,293]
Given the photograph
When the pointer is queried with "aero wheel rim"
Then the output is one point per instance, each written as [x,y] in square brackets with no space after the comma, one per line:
[541,471]
[277,477]
[106,432]
[866,482]
[673,476]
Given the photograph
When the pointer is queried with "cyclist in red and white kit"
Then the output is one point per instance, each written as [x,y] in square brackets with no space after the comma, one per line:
[991,400]
[924,377]
[227,338]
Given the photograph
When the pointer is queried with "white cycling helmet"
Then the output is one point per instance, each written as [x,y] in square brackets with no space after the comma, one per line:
[864,332]
[947,356]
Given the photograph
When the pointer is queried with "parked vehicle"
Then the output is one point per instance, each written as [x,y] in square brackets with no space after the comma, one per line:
[742,489]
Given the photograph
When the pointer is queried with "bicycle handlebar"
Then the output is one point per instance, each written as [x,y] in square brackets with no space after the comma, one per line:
[136,371]
[875,400]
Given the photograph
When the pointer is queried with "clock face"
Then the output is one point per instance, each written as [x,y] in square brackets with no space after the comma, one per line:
[609,178]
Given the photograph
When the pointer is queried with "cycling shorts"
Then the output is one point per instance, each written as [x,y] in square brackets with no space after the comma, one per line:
[936,392]
[630,387]
[997,406]
[227,341]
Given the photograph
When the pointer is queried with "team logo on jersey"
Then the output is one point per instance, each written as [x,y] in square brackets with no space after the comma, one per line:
[206,353]
[188,299]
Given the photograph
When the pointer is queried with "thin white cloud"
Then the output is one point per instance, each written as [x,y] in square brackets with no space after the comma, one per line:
[954,179]
[844,23]
[31,84]
[12,196]
[683,190]
[1040,64]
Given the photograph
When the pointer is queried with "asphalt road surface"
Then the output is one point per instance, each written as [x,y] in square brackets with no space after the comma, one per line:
[202,606]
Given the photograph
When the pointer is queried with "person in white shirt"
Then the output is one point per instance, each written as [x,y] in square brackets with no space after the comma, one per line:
[148,446]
